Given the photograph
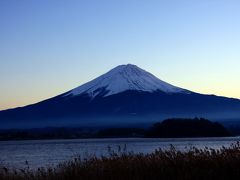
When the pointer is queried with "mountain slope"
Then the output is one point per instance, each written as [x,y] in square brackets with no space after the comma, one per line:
[123,78]
[125,95]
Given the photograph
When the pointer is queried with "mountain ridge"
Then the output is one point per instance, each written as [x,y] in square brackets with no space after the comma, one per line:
[135,101]
[123,78]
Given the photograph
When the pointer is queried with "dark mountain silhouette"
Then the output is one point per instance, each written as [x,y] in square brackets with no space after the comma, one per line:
[125,96]
[176,128]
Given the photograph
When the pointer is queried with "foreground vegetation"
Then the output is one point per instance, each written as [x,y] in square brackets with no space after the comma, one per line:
[162,164]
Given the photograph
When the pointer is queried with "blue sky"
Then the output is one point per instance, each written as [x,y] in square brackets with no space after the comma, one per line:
[48,47]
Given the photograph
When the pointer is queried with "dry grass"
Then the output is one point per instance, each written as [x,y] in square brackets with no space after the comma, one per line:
[170,164]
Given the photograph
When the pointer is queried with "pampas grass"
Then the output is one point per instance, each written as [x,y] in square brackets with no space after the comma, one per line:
[202,164]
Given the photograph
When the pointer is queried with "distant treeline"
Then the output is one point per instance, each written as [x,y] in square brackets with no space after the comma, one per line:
[170,128]
[187,128]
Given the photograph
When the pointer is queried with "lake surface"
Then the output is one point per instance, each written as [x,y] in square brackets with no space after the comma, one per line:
[41,153]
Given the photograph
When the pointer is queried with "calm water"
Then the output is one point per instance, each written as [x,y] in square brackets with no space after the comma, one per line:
[40,153]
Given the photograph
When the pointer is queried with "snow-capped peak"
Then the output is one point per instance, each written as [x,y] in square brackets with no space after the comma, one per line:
[123,78]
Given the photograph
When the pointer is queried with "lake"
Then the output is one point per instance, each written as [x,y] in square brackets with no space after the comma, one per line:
[41,153]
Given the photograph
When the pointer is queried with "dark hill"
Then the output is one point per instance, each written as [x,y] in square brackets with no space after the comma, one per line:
[178,128]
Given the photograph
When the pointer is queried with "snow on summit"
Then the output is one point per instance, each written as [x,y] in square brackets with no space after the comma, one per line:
[123,78]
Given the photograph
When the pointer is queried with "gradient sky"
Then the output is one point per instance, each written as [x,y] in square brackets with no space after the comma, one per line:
[48,47]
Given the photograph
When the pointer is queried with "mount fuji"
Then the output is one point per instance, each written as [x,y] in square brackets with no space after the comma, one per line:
[125,78]
[126,95]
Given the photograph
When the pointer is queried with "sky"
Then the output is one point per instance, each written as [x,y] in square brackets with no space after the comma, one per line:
[48,47]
